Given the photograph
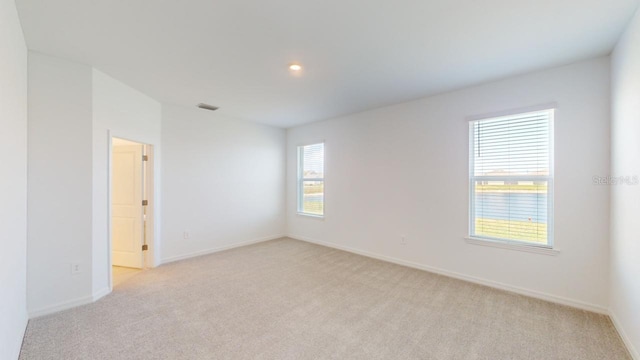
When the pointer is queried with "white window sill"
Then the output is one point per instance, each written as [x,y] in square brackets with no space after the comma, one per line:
[513,246]
[312,216]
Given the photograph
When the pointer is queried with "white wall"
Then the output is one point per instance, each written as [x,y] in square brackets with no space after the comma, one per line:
[126,113]
[222,180]
[60,182]
[403,170]
[625,199]
[72,111]
[13,181]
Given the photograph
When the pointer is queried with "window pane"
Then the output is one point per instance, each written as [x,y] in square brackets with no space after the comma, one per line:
[511,172]
[513,210]
[510,146]
[313,161]
[313,197]
[311,179]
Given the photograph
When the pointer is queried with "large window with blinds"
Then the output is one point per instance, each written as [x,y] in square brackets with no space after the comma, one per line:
[311,179]
[511,178]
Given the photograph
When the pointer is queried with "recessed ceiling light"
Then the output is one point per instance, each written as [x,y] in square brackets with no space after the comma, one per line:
[295,67]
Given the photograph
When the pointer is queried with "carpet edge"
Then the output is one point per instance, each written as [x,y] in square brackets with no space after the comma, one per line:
[623,335]
[472,279]
[217,249]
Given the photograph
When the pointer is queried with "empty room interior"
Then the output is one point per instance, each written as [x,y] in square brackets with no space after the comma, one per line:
[314,179]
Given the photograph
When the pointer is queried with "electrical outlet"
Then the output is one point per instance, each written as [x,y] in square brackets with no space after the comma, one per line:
[75,269]
[403,240]
[185,235]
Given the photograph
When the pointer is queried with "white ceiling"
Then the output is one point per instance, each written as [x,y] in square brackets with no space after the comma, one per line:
[356,55]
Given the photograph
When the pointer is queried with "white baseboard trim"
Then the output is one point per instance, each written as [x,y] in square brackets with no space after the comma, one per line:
[20,339]
[490,283]
[100,294]
[65,305]
[635,355]
[218,249]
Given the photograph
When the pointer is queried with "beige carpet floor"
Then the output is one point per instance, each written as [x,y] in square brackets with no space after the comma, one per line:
[122,274]
[286,299]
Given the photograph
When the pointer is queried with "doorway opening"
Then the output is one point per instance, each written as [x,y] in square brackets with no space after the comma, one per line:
[131,229]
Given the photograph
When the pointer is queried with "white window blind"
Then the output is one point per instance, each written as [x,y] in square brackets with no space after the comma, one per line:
[311,179]
[511,178]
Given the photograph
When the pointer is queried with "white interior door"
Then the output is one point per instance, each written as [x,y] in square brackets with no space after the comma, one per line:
[127,211]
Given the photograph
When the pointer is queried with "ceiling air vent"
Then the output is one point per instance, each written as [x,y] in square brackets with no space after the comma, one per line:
[208,107]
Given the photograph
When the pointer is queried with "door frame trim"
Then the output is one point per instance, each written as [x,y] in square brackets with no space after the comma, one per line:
[150,190]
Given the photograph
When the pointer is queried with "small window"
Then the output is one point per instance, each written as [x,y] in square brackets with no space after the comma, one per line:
[311,179]
[511,178]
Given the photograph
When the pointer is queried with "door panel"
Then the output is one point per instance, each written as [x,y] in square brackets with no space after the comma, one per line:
[127,211]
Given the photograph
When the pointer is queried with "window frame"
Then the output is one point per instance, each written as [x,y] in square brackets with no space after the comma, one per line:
[551,110]
[301,179]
